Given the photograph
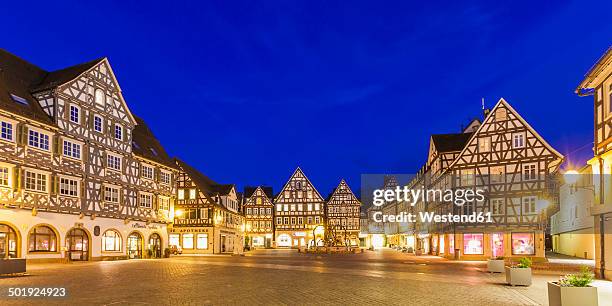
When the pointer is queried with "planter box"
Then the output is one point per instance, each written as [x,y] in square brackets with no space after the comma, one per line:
[571,296]
[12,266]
[518,276]
[495,265]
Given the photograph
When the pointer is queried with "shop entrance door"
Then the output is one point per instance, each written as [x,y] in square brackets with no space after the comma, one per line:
[155,245]
[223,242]
[134,246]
[77,243]
[8,242]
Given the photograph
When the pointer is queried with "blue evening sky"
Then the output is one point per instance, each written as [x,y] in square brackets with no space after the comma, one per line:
[247,91]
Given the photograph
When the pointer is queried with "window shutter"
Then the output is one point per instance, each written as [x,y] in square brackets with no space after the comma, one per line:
[54,184]
[85,153]
[120,195]
[21,178]
[91,120]
[104,159]
[56,145]
[18,138]
[17,179]
[156,174]
[66,111]
[24,135]
[82,189]
[101,193]
[124,135]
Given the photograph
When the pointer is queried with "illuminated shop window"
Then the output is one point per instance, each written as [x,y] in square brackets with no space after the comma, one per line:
[472,244]
[202,243]
[111,241]
[497,244]
[42,239]
[173,239]
[523,244]
[187,241]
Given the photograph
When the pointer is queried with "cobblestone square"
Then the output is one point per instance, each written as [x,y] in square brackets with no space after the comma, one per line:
[275,277]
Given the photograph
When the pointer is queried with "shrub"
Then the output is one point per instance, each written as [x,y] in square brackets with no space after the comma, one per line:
[584,278]
[498,258]
[524,263]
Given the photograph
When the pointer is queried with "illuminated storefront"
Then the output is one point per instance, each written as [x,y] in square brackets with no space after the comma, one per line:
[497,244]
[473,244]
[523,244]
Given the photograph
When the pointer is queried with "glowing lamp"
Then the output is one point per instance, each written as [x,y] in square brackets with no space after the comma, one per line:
[570,177]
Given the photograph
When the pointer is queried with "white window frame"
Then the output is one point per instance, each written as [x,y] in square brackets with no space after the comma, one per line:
[101,130]
[116,162]
[484,144]
[39,177]
[118,127]
[109,192]
[72,190]
[147,171]
[529,172]
[497,207]
[516,136]
[165,177]
[163,203]
[532,202]
[77,113]
[10,135]
[73,148]
[145,200]
[5,176]
[43,139]
[180,194]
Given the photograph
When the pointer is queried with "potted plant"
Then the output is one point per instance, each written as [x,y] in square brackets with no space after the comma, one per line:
[573,289]
[520,274]
[495,265]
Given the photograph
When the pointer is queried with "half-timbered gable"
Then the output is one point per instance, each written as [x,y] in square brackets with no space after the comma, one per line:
[342,213]
[299,209]
[259,215]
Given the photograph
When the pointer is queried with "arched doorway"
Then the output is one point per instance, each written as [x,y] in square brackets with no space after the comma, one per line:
[77,243]
[134,246]
[155,244]
[8,242]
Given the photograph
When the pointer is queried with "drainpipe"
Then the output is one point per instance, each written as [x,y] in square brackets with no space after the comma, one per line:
[602,219]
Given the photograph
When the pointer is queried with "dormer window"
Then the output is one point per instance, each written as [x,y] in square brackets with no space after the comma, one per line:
[99,97]
[19,99]
[118,132]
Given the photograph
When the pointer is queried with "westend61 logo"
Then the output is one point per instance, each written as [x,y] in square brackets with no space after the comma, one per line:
[457,197]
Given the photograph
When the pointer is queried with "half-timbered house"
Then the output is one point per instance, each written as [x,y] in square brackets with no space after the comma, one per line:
[513,164]
[342,216]
[299,214]
[207,217]
[72,184]
[259,216]
[598,83]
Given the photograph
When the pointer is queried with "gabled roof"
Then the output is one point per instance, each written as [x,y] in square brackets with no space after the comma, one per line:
[602,63]
[296,172]
[337,190]
[450,142]
[16,78]
[204,183]
[146,145]
[59,77]
[249,190]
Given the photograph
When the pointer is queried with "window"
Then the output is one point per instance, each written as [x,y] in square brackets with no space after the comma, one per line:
[268,211]
[187,241]
[285,207]
[279,220]
[497,207]
[113,162]
[309,207]
[484,144]
[292,220]
[518,140]
[146,200]
[99,97]
[111,194]
[529,172]
[42,239]
[164,177]
[523,243]
[248,211]
[111,241]
[4,176]
[164,203]
[75,113]
[36,181]
[529,205]
[181,194]
[173,239]
[286,220]
[7,131]
[292,207]
[279,207]
[38,140]
[202,241]
[118,132]
[146,172]
[69,187]
[472,244]
[98,125]
[316,206]
[19,99]
[300,220]
[309,220]
[192,193]
[72,149]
